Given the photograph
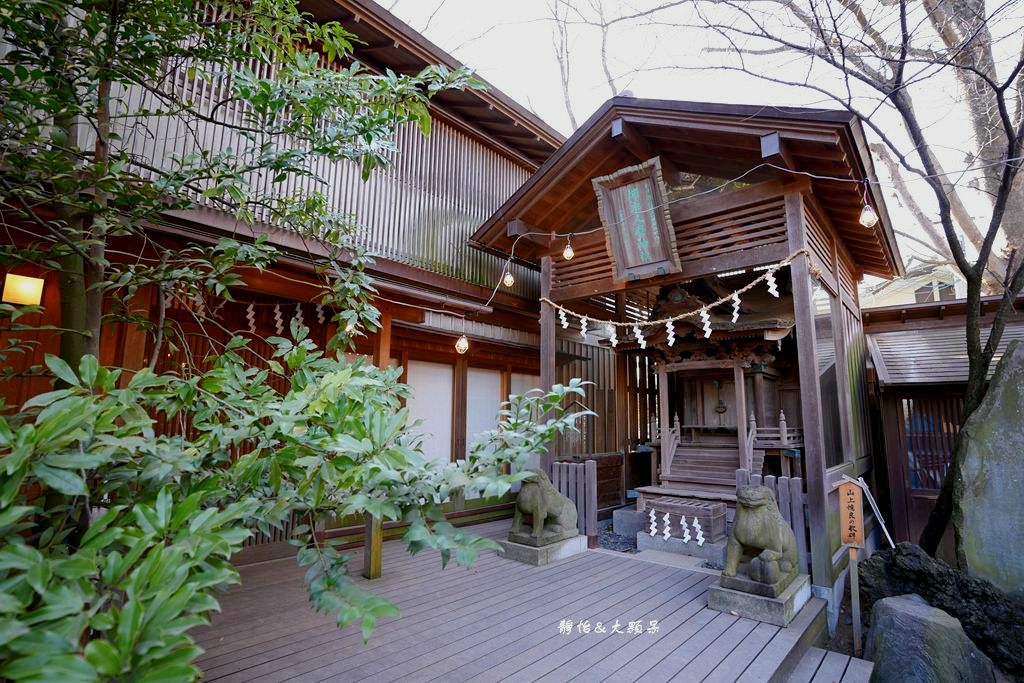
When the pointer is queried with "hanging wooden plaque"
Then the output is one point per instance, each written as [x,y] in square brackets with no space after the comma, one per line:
[634,211]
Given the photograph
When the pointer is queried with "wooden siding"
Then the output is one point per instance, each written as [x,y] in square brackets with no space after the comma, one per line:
[819,237]
[420,210]
[746,229]
[856,374]
[930,355]
[595,364]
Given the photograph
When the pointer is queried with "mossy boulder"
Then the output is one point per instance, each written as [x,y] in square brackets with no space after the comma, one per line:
[911,641]
[989,515]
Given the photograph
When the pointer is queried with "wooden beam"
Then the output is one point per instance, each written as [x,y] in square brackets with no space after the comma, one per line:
[746,455]
[520,228]
[810,396]
[774,152]
[638,146]
[373,537]
[547,347]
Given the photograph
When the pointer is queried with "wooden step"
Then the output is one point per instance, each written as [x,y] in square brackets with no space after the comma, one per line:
[818,666]
[780,657]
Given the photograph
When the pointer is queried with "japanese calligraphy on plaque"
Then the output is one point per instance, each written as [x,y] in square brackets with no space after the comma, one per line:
[634,211]
[851,514]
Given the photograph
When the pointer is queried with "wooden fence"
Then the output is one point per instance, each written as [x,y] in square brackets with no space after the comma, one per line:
[578,482]
[789,494]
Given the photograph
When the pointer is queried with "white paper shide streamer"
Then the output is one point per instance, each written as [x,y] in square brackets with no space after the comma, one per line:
[671,328]
[705,321]
[773,286]
[612,337]
[686,529]
[639,334]
[654,522]
[583,327]
[666,533]
[735,307]
[250,317]
[699,531]
[298,314]
[278,319]
[563,319]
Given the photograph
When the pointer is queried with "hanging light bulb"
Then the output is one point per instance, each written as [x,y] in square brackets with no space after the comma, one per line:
[868,217]
[568,253]
[508,280]
[462,345]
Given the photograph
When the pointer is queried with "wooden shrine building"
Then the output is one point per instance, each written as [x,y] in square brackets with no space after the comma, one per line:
[671,206]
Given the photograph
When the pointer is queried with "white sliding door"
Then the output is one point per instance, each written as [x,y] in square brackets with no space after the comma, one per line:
[432,403]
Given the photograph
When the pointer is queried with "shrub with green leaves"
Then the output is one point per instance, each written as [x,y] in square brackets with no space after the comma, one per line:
[168,511]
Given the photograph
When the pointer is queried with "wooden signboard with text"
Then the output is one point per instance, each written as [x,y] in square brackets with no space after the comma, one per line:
[851,514]
[634,211]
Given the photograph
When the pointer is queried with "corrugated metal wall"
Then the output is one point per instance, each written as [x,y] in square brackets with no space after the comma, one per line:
[419,211]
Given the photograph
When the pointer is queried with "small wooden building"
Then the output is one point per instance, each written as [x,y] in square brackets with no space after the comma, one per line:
[919,376]
[670,207]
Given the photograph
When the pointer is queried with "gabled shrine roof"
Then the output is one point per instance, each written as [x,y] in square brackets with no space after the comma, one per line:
[817,146]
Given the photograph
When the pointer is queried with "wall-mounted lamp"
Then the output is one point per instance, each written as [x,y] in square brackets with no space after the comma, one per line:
[22,290]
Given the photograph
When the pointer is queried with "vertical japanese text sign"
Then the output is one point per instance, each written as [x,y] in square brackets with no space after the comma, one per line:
[634,211]
[851,514]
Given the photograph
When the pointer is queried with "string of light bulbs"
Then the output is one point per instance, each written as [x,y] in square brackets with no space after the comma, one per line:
[638,327]
[868,218]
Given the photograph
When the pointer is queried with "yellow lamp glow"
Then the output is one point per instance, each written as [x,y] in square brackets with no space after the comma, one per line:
[22,290]
[462,345]
[508,280]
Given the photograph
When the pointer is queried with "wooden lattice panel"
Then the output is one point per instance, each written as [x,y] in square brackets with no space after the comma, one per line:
[748,227]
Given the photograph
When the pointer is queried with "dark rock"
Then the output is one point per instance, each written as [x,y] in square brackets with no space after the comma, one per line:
[994,620]
[910,640]
[991,480]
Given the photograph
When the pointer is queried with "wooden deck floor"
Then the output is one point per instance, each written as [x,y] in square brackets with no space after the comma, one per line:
[497,621]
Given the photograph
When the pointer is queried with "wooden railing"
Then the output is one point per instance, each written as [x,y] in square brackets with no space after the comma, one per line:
[782,436]
[578,482]
[789,494]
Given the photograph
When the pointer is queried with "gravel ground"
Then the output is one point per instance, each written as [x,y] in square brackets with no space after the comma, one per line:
[610,540]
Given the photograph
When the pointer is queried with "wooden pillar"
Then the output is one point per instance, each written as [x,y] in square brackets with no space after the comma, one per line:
[760,409]
[746,455]
[810,398]
[547,347]
[373,533]
[664,421]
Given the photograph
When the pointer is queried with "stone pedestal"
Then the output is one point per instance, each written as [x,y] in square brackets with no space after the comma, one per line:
[626,522]
[779,611]
[545,554]
[714,553]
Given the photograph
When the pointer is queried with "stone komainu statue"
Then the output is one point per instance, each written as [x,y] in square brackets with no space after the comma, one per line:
[554,515]
[762,546]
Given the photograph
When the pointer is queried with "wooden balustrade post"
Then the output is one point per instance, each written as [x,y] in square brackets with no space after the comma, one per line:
[373,534]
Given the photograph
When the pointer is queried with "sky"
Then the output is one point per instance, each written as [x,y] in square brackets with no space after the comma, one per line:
[510,43]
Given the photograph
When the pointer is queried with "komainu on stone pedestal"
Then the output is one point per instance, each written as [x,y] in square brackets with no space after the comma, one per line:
[554,515]
[761,555]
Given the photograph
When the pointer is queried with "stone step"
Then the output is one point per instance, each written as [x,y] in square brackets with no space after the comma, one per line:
[821,665]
